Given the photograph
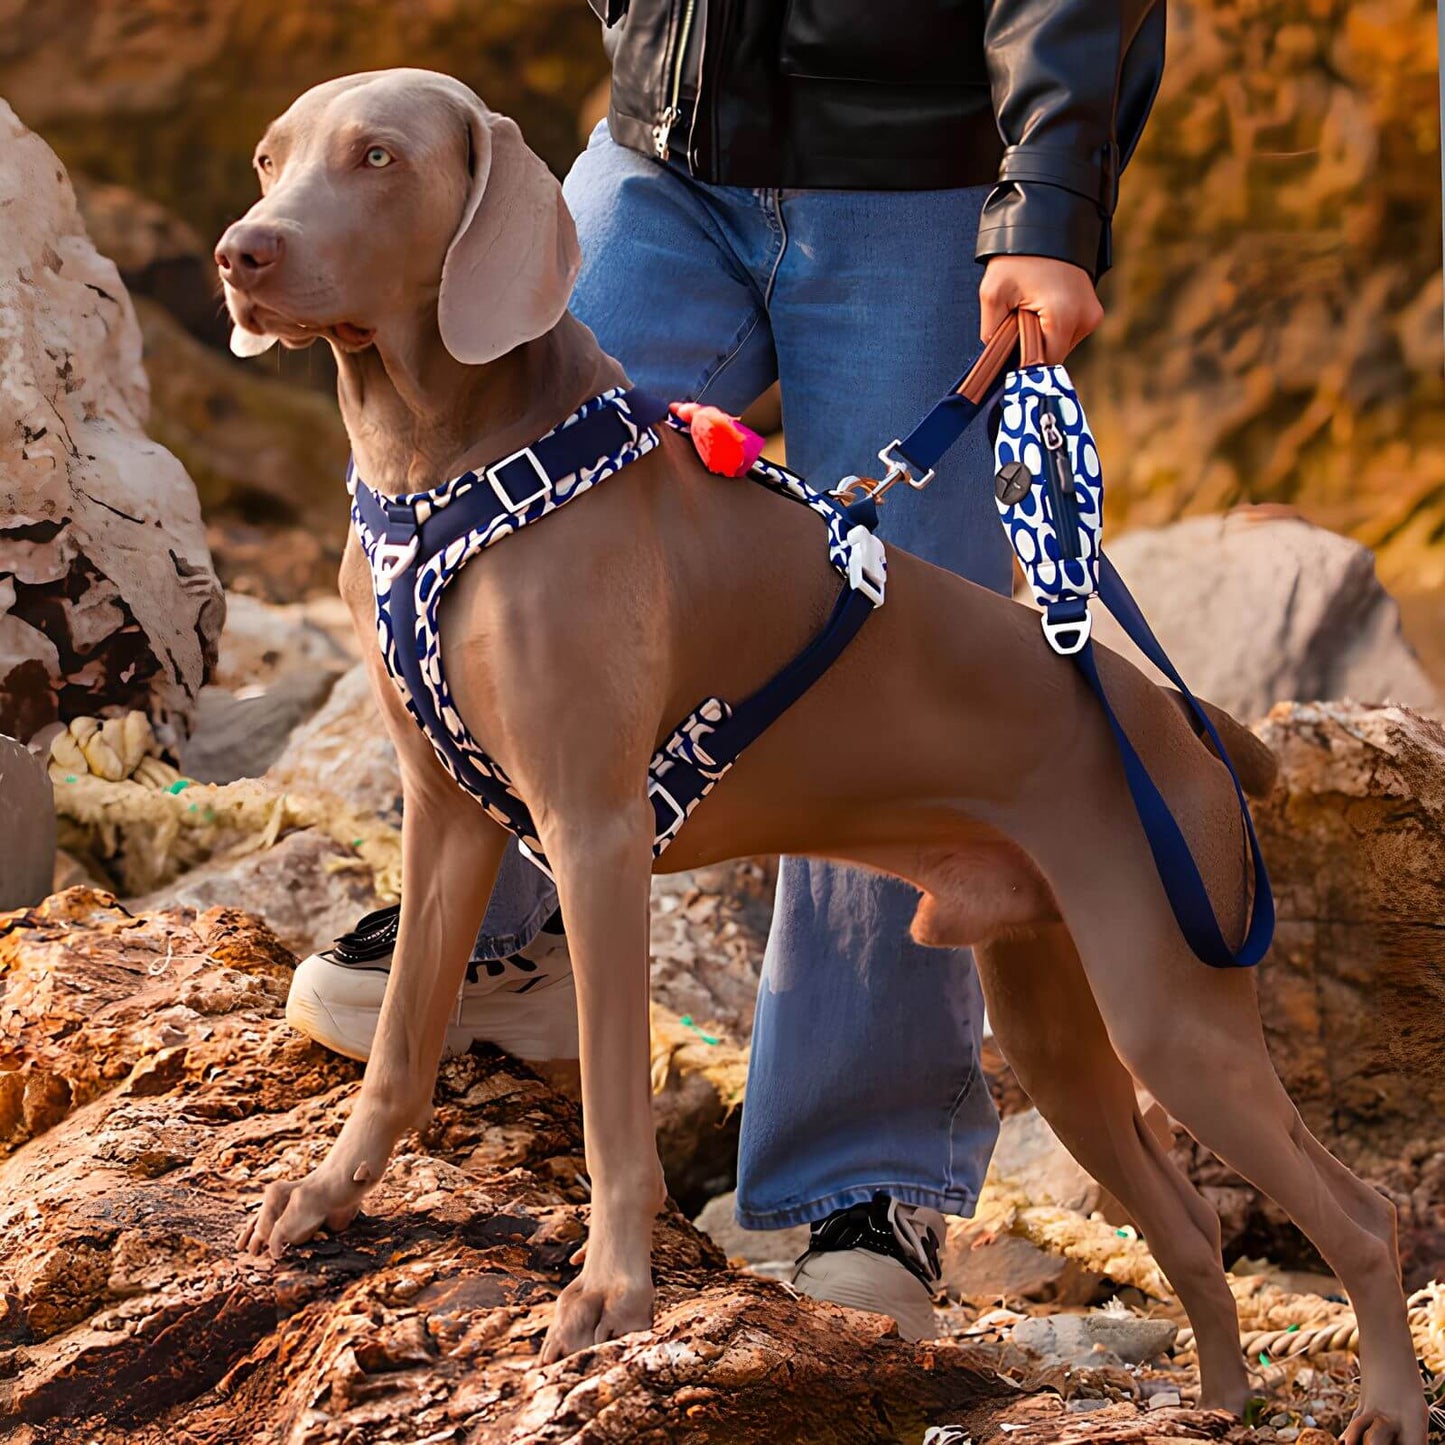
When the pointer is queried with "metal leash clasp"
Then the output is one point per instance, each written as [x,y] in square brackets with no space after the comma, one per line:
[900,469]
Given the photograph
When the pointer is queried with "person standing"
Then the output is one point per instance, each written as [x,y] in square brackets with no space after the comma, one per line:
[803,191]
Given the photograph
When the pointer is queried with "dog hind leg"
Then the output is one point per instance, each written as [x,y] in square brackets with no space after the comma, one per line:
[1191,1035]
[1045,1019]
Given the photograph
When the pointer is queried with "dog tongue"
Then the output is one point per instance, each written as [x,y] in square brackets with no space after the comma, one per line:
[352,335]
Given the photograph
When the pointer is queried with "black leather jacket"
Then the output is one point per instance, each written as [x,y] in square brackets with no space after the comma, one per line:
[905,95]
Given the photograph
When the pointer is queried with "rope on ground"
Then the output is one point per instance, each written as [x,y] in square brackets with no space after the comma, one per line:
[118,800]
[680,1046]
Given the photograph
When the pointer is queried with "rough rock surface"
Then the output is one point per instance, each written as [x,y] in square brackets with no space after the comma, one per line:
[1272,326]
[308,888]
[107,596]
[1254,608]
[151,1092]
[1353,992]
[241,736]
[1097,1338]
[27,827]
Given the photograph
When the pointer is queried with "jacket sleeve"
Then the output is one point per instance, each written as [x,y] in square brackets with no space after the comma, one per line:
[1072,83]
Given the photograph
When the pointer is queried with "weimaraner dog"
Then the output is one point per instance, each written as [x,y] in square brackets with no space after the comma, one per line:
[411,228]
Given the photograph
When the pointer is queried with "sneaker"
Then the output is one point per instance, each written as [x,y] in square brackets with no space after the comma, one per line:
[882,1257]
[525,1003]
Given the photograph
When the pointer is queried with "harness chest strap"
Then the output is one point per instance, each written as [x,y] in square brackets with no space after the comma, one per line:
[417,543]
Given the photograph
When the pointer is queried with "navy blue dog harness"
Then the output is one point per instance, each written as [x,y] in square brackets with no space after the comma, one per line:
[417,543]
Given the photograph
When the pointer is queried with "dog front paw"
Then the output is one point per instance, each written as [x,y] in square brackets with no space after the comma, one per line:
[293,1210]
[595,1308]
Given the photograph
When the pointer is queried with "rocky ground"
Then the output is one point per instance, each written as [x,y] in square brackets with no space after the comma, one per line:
[152,1089]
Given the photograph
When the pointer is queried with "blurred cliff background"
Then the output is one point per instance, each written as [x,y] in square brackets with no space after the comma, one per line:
[1267,390]
[1274,320]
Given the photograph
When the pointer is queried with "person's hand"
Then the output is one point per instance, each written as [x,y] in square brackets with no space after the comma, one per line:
[1062,294]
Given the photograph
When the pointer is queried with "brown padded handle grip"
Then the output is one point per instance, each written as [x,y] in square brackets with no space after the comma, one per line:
[1021,327]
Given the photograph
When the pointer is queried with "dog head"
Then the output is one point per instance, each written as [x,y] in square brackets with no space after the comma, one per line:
[394,198]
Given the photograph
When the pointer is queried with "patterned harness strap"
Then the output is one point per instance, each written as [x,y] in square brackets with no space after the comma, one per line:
[417,543]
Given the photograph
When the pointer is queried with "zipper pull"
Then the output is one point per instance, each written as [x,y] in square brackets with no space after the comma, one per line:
[662,130]
[1054,440]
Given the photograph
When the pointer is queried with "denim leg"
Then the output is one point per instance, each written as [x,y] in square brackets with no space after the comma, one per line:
[672,284]
[864,1072]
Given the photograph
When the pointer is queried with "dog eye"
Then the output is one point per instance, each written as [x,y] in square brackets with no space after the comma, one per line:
[263,163]
[379,156]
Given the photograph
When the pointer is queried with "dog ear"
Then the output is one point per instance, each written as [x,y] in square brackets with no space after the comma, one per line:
[509,270]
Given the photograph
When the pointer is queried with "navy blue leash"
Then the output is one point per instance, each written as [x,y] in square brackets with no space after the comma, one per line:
[919,453]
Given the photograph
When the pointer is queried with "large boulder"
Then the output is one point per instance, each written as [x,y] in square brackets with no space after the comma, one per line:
[1353,991]
[1255,608]
[108,601]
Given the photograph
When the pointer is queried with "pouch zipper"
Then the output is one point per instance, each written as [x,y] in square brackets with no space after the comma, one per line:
[1062,490]
[671,113]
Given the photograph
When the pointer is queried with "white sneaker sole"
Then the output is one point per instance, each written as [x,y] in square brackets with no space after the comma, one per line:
[536,1025]
[863,1280]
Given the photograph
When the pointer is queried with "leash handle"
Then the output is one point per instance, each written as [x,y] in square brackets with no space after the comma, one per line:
[914,458]
[1019,328]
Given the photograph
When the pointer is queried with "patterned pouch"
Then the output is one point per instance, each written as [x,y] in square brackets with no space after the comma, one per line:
[1050,494]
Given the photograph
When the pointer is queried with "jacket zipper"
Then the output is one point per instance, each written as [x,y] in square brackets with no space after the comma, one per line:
[671,112]
[1062,491]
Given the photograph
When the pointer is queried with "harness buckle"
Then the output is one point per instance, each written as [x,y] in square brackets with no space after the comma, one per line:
[900,469]
[867,564]
[390,558]
[493,475]
[1067,625]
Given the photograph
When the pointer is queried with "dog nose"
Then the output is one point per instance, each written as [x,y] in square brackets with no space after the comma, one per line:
[247,251]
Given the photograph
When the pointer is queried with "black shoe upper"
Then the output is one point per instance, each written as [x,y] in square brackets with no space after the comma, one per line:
[867,1226]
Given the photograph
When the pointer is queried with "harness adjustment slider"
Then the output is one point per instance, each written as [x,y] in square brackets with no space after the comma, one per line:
[867,567]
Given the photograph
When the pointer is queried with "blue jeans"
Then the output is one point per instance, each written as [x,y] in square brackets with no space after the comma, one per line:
[864,304]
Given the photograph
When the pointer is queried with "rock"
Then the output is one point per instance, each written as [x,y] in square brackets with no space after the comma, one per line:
[107,597]
[344,751]
[241,736]
[262,641]
[171,103]
[1095,1339]
[267,454]
[155,1090]
[981,1267]
[157,254]
[27,827]
[308,889]
[1353,992]
[1030,1161]
[1256,611]
[982,1261]
[756,1246]
[1168,1400]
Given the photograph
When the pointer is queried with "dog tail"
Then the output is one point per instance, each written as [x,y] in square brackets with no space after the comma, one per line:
[1252,759]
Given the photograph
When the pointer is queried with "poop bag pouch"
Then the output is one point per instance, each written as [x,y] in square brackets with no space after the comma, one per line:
[1050,493]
